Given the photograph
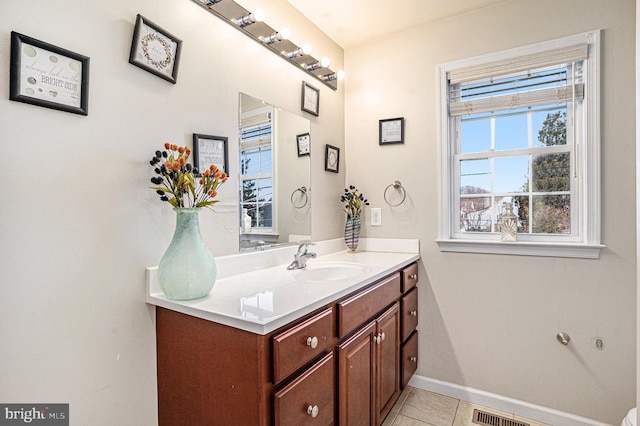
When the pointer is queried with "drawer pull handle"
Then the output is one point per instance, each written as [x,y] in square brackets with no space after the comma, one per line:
[413,276]
[378,338]
[313,411]
[313,342]
[413,313]
[414,359]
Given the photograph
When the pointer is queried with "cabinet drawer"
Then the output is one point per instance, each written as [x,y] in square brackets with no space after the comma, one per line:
[409,359]
[409,308]
[355,310]
[409,277]
[309,399]
[300,344]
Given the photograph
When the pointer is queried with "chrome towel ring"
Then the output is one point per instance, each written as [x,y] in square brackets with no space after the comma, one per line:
[304,197]
[398,186]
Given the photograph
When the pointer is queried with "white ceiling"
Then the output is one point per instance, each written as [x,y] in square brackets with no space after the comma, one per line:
[353,22]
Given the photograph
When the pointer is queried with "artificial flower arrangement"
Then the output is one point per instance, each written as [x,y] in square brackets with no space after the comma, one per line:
[354,201]
[177,178]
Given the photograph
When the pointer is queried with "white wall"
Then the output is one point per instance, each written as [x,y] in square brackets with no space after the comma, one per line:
[489,321]
[79,224]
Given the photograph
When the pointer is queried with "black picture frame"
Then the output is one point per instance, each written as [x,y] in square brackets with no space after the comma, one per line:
[209,149]
[332,159]
[155,50]
[391,130]
[310,100]
[304,144]
[49,76]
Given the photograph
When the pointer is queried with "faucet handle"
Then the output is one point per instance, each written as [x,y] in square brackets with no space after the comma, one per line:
[304,247]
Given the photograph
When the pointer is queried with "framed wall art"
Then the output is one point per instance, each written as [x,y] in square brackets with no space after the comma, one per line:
[332,159]
[46,75]
[155,50]
[209,150]
[310,99]
[391,130]
[304,144]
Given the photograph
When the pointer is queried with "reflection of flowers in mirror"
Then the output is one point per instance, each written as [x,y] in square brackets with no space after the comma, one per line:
[175,176]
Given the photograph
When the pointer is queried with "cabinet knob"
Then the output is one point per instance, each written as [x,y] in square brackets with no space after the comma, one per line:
[313,342]
[313,411]
[414,359]
[382,336]
[413,313]
[413,276]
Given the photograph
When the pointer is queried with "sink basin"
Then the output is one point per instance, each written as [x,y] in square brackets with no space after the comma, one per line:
[332,271]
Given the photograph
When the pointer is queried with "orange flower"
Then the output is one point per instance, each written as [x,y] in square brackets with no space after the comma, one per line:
[213,168]
[223,177]
[188,150]
[218,174]
[176,166]
[182,161]
[174,147]
[168,164]
[212,193]
[167,145]
[207,173]
[180,149]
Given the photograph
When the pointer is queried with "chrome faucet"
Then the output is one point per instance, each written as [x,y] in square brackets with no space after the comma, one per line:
[302,256]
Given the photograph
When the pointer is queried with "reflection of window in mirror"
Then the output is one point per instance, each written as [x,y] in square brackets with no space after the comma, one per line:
[256,173]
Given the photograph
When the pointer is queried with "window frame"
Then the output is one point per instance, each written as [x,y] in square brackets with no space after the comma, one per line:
[586,243]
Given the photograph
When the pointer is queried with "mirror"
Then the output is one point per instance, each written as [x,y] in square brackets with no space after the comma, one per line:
[275,175]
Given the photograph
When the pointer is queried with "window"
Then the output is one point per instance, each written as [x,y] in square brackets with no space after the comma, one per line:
[521,128]
[256,171]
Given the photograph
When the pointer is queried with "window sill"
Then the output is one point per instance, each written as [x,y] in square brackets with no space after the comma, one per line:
[574,250]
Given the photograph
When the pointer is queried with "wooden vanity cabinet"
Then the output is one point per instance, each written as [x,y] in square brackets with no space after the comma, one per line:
[341,364]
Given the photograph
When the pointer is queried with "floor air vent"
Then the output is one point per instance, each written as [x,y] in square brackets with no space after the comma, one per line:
[488,419]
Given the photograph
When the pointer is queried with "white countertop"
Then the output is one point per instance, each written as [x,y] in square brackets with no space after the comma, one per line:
[255,291]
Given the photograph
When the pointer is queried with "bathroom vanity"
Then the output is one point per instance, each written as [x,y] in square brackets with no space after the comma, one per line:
[334,343]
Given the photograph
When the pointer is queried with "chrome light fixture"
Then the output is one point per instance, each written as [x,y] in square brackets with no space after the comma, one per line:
[283,34]
[323,63]
[250,23]
[300,51]
[333,76]
[257,15]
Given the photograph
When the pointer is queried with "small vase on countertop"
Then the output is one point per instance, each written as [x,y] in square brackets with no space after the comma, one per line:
[352,231]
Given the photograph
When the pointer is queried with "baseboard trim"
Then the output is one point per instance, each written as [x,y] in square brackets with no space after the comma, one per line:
[502,403]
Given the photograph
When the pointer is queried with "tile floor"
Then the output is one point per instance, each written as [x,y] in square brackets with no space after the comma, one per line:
[417,407]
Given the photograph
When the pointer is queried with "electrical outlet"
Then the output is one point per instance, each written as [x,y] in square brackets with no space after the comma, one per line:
[376,216]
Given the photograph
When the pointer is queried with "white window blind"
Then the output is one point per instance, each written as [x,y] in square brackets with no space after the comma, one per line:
[543,78]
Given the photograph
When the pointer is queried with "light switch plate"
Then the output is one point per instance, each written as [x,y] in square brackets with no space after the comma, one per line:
[376,216]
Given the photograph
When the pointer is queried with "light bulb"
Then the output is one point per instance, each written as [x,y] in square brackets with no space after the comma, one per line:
[325,62]
[306,49]
[259,14]
[285,33]
[341,75]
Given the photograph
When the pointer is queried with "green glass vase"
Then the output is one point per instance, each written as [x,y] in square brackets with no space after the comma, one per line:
[187,269]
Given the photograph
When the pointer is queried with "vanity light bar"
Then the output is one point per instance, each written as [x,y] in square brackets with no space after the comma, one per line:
[250,23]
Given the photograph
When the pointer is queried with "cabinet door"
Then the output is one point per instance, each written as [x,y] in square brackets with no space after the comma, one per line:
[309,399]
[356,378]
[387,361]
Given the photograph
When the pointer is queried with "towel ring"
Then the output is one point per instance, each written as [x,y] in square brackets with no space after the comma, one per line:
[397,185]
[303,191]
